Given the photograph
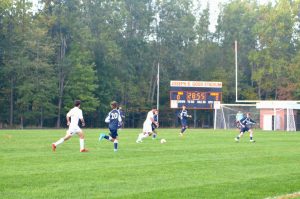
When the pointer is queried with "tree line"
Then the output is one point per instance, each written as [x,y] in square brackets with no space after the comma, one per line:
[104,50]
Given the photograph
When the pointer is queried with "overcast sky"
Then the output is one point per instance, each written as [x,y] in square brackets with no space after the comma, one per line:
[214,8]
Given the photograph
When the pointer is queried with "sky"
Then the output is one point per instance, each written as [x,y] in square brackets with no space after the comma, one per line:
[214,9]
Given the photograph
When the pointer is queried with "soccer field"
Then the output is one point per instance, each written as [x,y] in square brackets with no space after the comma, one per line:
[203,164]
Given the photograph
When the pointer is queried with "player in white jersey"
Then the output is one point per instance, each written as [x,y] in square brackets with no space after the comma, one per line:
[73,117]
[147,126]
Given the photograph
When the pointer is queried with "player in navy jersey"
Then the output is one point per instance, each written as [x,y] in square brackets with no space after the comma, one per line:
[121,124]
[183,115]
[246,125]
[113,119]
[154,124]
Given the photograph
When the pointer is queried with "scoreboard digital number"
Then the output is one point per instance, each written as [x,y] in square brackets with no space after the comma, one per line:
[195,94]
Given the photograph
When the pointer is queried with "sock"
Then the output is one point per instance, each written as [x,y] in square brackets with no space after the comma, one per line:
[238,137]
[251,138]
[81,141]
[106,137]
[154,135]
[116,145]
[140,137]
[183,129]
[145,135]
[60,141]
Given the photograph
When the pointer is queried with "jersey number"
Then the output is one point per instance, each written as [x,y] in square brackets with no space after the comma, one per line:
[114,115]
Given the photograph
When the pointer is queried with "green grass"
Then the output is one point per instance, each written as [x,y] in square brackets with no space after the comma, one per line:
[203,164]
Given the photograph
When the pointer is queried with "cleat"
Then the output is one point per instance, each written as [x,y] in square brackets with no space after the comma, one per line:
[237,140]
[84,150]
[252,141]
[181,134]
[101,136]
[53,147]
[115,150]
[139,141]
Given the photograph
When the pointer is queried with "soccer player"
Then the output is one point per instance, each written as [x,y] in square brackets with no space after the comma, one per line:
[121,124]
[73,117]
[153,125]
[147,127]
[183,115]
[113,119]
[246,123]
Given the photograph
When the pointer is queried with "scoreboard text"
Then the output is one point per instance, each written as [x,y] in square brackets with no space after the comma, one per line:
[195,94]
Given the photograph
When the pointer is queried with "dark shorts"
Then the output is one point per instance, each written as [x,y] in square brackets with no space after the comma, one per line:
[113,133]
[244,129]
[183,123]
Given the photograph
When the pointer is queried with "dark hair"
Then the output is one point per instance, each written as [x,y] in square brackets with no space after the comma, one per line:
[77,102]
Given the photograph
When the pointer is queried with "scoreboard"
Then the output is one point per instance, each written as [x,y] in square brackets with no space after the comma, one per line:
[195,94]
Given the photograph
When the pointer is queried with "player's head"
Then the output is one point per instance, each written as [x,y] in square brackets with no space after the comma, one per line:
[183,107]
[114,104]
[154,109]
[156,112]
[77,103]
[248,114]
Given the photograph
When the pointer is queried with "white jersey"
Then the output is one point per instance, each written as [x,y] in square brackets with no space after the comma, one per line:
[75,114]
[147,128]
[149,116]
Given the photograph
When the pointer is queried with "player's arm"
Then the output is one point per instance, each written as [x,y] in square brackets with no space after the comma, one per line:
[81,118]
[107,119]
[119,117]
[68,116]
[242,121]
[153,121]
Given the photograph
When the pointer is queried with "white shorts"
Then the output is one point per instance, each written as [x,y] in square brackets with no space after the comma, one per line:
[147,128]
[73,130]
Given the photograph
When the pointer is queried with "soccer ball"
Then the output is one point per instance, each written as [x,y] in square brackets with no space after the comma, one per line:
[163,141]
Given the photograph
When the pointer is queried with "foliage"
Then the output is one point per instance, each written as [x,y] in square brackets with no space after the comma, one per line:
[99,51]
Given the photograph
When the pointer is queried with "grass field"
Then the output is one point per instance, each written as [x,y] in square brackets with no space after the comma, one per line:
[203,164]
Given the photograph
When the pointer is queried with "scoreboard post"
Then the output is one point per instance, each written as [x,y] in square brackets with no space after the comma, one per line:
[195,94]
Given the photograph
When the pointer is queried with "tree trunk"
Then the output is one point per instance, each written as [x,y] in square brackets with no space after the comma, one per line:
[61,78]
[42,118]
[11,112]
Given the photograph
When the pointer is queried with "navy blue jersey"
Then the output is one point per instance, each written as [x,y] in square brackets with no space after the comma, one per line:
[153,124]
[155,118]
[113,118]
[247,122]
[183,115]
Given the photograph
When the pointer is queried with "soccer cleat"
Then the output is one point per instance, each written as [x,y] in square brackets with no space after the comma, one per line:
[252,141]
[115,150]
[101,136]
[84,150]
[53,147]
[138,141]
[237,140]
[181,134]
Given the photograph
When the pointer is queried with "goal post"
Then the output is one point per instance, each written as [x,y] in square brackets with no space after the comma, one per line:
[269,115]
[226,114]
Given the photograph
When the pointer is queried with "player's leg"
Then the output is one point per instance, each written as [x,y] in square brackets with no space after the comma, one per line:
[183,128]
[251,135]
[107,137]
[61,140]
[81,141]
[242,131]
[114,138]
[146,129]
[154,134]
